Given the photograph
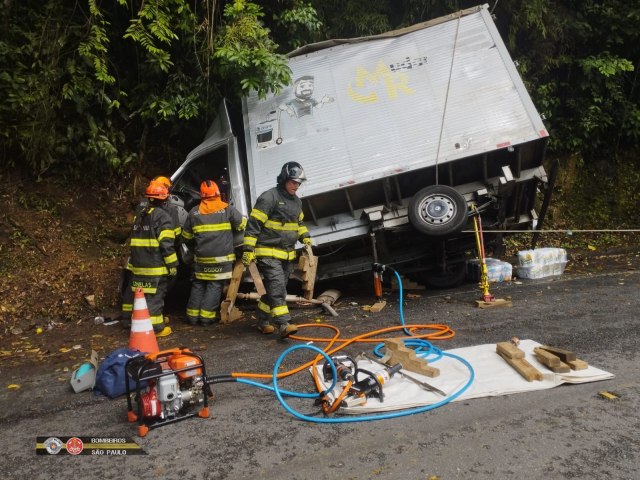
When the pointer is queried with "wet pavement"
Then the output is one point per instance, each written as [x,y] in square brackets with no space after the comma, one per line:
[570,431]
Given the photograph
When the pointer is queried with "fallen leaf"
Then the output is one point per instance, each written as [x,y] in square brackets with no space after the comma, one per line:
[65,350]
[13,386]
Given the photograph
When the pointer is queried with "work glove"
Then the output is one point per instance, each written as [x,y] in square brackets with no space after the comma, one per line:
[307,241]
[247,258]
[173,271]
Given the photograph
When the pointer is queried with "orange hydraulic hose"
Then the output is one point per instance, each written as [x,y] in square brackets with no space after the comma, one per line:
[442,332]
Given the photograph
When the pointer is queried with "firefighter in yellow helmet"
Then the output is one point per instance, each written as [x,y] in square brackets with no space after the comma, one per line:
[208,231]
[153,261]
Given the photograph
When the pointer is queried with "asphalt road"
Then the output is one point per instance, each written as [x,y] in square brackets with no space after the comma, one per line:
[566,432]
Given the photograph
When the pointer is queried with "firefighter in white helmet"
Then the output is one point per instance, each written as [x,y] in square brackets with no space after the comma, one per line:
[274,226]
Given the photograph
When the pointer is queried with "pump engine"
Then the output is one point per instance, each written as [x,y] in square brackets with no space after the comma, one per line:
[169,386]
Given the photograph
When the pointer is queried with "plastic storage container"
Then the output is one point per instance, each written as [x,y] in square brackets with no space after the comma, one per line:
[541,262]
[497,270]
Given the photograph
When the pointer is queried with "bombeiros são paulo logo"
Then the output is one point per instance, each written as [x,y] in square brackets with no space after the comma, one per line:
[97,445]
[53,445]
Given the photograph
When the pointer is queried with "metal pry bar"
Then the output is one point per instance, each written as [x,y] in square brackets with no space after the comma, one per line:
[420,383]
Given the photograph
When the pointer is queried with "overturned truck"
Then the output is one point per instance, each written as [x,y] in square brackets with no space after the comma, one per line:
[401,135]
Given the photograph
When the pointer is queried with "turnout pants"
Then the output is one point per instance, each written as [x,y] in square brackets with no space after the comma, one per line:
[272,307]
[204,301]
[155,289]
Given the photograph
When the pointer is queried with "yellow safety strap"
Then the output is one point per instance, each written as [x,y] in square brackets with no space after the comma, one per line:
[207,314]
[149,271]
[274,225]
[173,258]
[279,311]
[127,307]
[187,235]
[259,215]
[213,276]
[275,253]
[192,312]
[250,241]
[302,230]
[144,242]
[166,234]
[156,319]
[243,224]
[226,258]
[216,227]
[264,307]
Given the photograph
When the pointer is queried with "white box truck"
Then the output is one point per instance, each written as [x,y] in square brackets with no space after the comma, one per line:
[399,135]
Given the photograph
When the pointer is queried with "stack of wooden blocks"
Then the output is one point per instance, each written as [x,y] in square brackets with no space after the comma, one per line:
[556,359]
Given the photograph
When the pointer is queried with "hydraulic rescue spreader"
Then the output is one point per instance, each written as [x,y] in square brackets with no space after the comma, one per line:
[358,383]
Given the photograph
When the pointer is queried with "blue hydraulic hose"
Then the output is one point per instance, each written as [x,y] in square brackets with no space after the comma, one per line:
[297,394]
[365,418]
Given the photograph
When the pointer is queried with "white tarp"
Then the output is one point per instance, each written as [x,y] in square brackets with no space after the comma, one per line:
[493,377]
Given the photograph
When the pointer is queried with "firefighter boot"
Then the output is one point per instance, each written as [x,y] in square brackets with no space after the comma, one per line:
[286,329]
[265,327]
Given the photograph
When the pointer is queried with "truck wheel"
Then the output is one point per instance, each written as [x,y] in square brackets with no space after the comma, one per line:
[438,210]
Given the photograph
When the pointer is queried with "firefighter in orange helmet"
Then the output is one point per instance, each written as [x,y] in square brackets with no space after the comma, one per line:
[208,231]
[153,261]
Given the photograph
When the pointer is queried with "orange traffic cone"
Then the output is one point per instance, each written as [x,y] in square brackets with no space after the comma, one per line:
[142,336]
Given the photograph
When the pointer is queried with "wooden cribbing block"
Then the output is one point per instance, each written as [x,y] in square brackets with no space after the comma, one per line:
[228,311]
[578,364]
[257,279]
[396,352]
[509,349]
[565,355]
[376,307]
[547,358]
[562,368]
[524,368]
[552,361]
[308,266]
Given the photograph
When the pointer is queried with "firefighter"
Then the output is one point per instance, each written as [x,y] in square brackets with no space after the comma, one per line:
[153,261]
[208,231]
[274,226]
[171,209]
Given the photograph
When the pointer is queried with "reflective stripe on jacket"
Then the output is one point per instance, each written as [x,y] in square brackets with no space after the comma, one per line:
[210,236]
[275,224]
[152,243]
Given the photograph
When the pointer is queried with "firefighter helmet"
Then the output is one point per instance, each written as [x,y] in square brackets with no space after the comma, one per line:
[209,189]
[291,171]
[157,190]
[164,180]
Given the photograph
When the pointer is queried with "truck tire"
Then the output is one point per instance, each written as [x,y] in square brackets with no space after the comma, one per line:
[438,210]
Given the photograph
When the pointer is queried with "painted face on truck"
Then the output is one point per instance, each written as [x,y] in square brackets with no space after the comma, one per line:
[304,88]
